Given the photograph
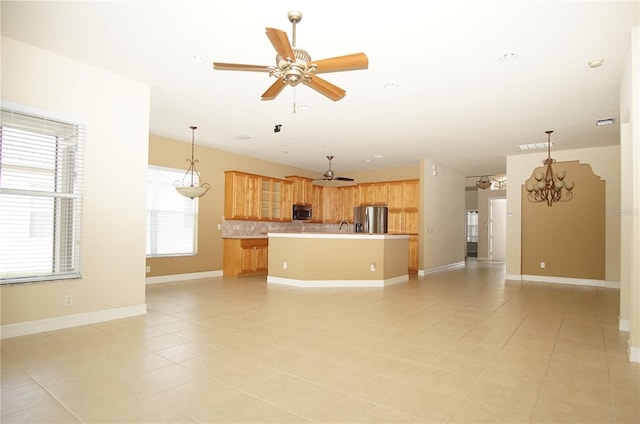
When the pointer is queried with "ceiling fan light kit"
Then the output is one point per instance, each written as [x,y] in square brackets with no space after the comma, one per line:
[294,65]
[329,175]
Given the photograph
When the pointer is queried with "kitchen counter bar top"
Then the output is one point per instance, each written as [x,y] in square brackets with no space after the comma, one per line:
[334,235]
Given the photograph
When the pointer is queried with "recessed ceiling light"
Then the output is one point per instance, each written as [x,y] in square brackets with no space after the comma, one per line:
[246,136]
[303,107]
[367,160]
[378,156]
[595,63]
[508,57]
[603,122]
[391,85]
[197,59]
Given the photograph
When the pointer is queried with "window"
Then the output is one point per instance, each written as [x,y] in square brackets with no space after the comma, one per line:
[171,218]
[40,198]
[472,226]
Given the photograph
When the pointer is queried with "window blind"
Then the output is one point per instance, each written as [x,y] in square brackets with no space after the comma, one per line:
[171,217]
[40,198]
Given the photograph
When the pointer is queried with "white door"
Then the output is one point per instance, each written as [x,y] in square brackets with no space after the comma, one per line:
[497,229]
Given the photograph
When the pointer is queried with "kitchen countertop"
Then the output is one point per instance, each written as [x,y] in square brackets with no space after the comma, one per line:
[334,235]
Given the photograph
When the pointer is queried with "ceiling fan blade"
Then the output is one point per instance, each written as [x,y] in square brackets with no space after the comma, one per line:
[281,43]
[326,88]
[274,90]
[351,62]
[343,179]
[239,67]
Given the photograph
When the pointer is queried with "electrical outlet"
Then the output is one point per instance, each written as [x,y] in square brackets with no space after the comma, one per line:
[148,268]
[373,267]
[542,265]
[284,265]
[68,300]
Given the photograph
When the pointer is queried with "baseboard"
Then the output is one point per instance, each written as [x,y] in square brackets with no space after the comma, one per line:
[336,283]
[68,321]
[624,324]
[633,352]
[513,277]
[423,272]
[182,277]
[572,281]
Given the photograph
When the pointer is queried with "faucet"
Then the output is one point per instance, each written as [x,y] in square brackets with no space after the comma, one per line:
[342,223]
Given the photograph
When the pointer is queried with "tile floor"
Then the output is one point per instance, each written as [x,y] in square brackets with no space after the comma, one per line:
[458,346]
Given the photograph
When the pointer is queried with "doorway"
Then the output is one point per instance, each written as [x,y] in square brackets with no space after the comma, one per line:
[497,229]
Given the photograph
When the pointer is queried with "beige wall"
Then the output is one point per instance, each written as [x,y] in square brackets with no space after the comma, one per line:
[115,112]
[605,162]
[442,216]
[569,237]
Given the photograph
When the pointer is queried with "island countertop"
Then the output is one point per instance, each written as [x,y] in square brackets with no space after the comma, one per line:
[337,235]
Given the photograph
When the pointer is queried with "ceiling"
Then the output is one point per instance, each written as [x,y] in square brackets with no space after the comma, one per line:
[436,86]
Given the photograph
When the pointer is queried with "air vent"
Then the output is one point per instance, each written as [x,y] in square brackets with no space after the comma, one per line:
[535,146]
[603,122]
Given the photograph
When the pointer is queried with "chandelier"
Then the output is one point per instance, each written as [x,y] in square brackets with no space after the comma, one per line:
[187,187]
[548,186]
[485,182]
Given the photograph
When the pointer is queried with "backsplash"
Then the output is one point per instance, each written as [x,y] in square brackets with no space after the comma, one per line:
[256,229]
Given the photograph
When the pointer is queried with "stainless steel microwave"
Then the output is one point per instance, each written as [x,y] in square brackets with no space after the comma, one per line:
[302,212]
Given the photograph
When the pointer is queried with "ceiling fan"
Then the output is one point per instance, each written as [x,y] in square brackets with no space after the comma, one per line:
[294,65]
[329,175]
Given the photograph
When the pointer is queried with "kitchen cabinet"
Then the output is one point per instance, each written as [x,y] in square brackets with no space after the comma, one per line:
[402,221]
[254,197]
[286,199]
[243,257]
[403,194]
[347,200]
[330,205]
[242,195]
[302,189]
[317,203]
[373,193]
[338,204]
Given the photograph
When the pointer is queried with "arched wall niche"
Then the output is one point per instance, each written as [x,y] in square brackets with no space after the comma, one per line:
[568,237]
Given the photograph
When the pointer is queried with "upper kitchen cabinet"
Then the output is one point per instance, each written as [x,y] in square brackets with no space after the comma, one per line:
[403,194]
[317,203]
[302,189]
[254,197]
[348,199]
[373,193]
[242,195]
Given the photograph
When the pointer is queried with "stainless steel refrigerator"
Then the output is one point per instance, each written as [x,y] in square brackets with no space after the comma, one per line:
[371,218]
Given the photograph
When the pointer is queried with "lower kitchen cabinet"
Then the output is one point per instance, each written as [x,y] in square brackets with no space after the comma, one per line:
[245,257]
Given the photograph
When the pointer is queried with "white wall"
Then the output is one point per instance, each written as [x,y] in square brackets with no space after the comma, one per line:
[483,219]
[442,217]
[115,113]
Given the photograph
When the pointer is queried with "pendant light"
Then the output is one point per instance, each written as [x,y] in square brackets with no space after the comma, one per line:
[187,187]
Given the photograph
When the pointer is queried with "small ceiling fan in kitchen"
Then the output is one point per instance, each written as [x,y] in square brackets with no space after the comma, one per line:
[294,65]
[329,175]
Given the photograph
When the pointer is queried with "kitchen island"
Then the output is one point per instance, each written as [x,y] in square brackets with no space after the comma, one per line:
[337,259]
